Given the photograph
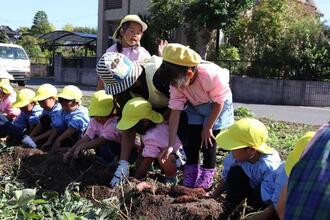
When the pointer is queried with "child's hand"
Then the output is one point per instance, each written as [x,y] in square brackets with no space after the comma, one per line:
[46,145]
[56,145]
[66,156]
[77,151]
[165,154]
[161,46]
[207,137]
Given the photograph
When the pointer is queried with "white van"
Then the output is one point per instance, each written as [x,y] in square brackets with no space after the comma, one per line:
[14,59]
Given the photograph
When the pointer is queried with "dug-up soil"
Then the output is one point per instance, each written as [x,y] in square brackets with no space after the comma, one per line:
[149,199]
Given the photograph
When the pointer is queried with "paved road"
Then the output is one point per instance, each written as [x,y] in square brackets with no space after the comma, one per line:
[298,114]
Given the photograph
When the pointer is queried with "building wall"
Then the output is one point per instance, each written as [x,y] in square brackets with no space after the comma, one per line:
[281,92]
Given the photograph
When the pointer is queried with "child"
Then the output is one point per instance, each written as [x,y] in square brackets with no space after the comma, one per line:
[124,83]
[7,98]
[283,172]
[139,115]
[47,98]
[129,33]
[22,125]
[70,122]
[30,111]
[308,185]
[101,133]
[250,167]
[202,90]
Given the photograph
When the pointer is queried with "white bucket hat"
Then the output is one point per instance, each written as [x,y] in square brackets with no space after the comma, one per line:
[117,72]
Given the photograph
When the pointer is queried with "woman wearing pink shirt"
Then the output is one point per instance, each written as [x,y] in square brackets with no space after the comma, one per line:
[101,134]
[202,90]
[139,115]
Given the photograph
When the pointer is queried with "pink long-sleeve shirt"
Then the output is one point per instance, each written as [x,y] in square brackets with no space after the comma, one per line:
[211,85]
[138,54]
[108,130]
[156,139]
[6,103]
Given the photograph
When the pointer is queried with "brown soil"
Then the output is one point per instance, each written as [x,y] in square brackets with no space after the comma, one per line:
[150,199]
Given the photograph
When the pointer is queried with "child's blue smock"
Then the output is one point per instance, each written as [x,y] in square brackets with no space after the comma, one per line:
[77,119]
[280,180]
[26,119]
[261,173]
[52,113]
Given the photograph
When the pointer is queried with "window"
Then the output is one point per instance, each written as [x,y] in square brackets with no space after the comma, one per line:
[12,53]
[113,4]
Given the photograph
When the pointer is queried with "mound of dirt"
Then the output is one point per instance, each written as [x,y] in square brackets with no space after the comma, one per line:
[150,199]
[51,173]
[157,201]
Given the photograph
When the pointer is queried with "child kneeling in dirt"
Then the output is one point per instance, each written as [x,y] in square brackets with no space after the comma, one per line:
[46,96]
[101,133]
[70,122]
[250,167]
[19,129]
[139,115]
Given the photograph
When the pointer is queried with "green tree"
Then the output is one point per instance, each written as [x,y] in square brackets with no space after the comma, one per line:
[85,30]
[4,37]
[68,27]
[197,16]
[40,24]
[282,39]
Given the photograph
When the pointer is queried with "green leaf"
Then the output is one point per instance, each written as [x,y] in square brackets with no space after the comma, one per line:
[22,197]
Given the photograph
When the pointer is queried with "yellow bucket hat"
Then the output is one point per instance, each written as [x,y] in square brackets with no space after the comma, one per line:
[181,55]
[294,155]
[6,87]
[101,104]
[6,81]
[5,75]
[71,93]
[135,110]
[127,18]
[247,132]
[45,91]
[24,97]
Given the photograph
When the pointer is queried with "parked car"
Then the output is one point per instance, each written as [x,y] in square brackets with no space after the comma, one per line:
[14,59]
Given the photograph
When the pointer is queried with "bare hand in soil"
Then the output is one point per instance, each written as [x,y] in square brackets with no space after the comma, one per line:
[66,157]
[77,151]
[143,185]
[165,153]
[46,146]
[56,146]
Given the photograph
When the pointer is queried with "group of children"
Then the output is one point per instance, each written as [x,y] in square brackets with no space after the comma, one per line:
[132,102]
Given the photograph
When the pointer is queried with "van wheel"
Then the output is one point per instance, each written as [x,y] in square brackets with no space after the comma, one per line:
[21,83]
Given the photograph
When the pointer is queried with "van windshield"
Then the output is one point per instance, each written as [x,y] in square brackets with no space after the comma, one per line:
[12,53]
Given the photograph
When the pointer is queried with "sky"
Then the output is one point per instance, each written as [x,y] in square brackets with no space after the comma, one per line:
[18,13]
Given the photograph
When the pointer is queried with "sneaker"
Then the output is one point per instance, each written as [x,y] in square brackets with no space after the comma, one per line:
[27,140]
